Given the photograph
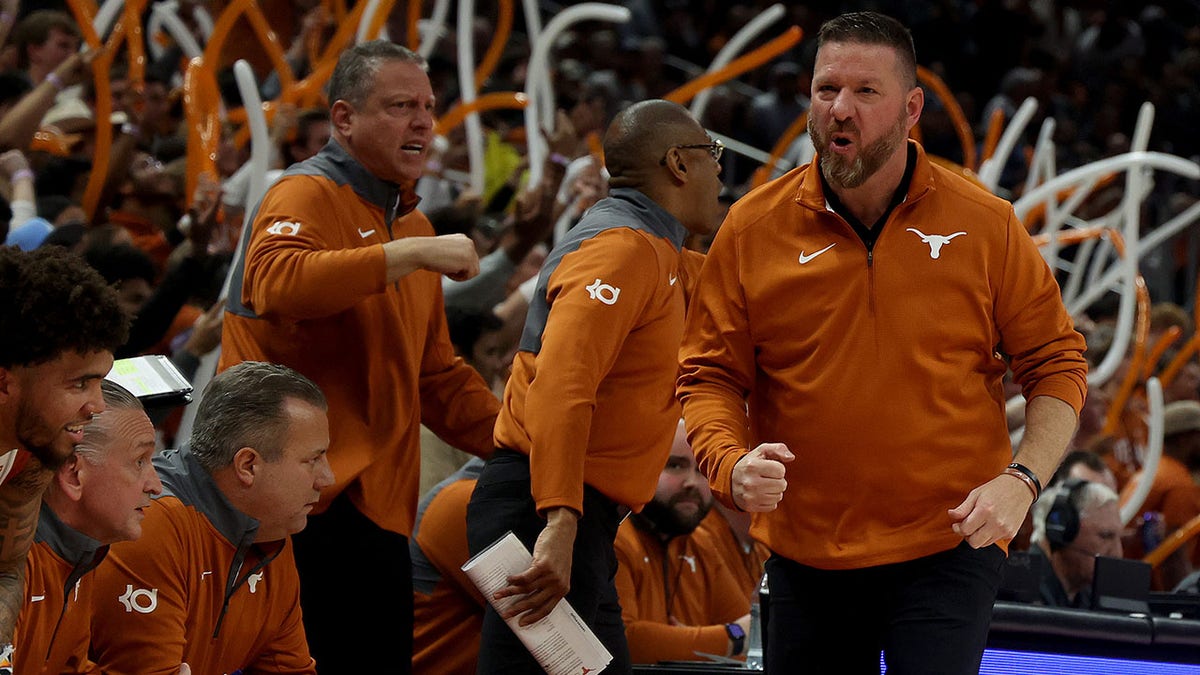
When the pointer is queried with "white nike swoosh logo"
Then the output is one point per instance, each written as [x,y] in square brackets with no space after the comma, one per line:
[805,258]
[37,598]
[366,234]
[673,279]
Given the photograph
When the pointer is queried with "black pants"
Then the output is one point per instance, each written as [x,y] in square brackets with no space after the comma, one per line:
[501,502]
[928,616]
[356,593]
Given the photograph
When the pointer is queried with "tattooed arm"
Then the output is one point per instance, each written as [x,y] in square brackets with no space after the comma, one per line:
[20,503]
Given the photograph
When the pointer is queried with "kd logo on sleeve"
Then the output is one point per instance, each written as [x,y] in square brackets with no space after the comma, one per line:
[284,227]
[142,601]
[603,292]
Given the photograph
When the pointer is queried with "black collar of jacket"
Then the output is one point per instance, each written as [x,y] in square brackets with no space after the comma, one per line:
[656,219]
[68,543]
[339,166]
[185,479]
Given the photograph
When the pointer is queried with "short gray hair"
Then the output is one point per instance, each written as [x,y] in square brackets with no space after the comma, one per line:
[96,434]
[244,407]
[354,75]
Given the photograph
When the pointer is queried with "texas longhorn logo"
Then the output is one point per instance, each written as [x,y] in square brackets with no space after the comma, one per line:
[935,241]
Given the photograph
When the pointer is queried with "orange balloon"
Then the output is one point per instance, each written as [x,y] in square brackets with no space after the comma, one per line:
[495,100]
[1037,213]
[380,18]
[85,16]
[135,41]
[1173,541]
[496,48]
[262,30]
[101,65]
[336,9]
[308,92]
[126,28]
[201,102]
[994,131]
[1070,237]
[962,127]
[1133,378]
[1168,338]
[745,62]
[763,173]
[344,34]
[414,33]
[1185,353]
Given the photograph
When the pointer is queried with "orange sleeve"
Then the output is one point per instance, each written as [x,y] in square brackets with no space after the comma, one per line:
[583,335]
[1045,349]
[443,535]
[717,369]
[296,265]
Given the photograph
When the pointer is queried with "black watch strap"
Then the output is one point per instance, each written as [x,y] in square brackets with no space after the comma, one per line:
[737,636]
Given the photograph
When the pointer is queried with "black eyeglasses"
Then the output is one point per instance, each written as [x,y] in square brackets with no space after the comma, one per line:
[716,149]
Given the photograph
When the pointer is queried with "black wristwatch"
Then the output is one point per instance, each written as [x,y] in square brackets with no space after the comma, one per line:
[738,636]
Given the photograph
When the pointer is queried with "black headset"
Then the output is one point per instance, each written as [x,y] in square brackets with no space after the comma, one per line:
[1062,520]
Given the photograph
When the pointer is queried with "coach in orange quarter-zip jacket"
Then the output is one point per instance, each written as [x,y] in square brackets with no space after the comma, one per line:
[842,377]
[342,282]
[589,410]
[212,581]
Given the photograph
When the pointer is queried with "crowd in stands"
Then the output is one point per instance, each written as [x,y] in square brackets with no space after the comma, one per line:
[167,252]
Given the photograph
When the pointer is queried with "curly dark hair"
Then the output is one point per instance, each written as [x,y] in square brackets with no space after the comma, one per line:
[51,303]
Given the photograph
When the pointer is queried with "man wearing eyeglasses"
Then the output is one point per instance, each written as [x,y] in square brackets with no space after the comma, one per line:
[589,413]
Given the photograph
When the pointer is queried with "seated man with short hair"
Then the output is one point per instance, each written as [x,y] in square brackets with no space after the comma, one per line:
[212,582]
[1072,524]
[678,599]
[95,499]
[447,607]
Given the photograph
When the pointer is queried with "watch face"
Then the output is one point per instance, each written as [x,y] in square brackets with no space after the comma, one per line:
[735,631]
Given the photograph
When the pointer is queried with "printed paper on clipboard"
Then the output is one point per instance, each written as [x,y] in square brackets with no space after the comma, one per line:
[561,643]
[153,379]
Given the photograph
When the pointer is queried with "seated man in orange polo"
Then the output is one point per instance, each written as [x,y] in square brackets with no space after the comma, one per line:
[730,533]
[447,608]
[679,601]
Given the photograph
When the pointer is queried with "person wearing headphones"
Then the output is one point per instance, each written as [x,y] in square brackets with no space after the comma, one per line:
[1072,524]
